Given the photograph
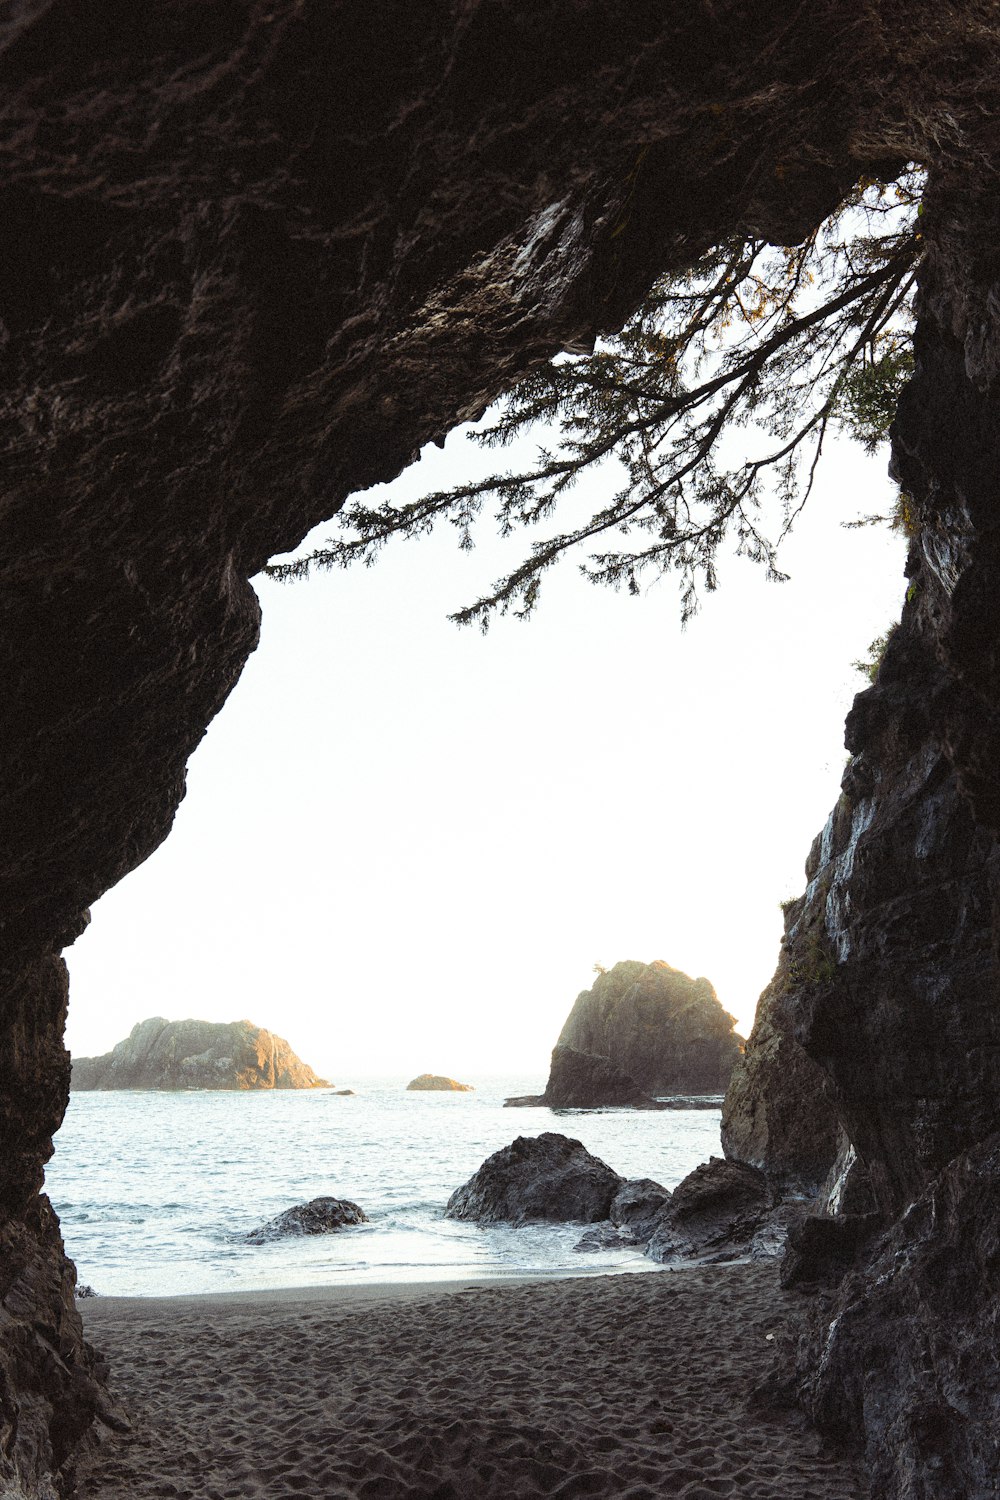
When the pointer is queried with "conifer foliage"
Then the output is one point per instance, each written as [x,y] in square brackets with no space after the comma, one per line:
[784,343]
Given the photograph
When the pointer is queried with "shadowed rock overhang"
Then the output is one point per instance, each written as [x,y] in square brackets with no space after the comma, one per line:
[254,258]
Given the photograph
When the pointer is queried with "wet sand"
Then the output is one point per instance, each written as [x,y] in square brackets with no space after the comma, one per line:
[621,1387]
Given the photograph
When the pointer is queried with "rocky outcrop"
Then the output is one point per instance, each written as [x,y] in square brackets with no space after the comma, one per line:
[535,1180]
[713,1214]
[778,1115]
[255,257]
[579,1080]
[436,1083]
[159,1054]
[720,1213]
[318,1216]
[907,1352]
[657,1026]
[891,963]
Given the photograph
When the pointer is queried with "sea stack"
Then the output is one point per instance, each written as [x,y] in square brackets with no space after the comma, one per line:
[667,1033]
[161,1054]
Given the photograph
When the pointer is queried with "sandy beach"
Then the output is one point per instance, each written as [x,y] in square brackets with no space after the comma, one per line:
[624,1387]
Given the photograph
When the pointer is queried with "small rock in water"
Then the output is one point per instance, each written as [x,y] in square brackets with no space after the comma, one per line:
[606,1237]
[439,1084]
[83,1290]
[319,1216]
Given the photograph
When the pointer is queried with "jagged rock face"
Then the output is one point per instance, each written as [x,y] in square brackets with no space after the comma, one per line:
[893,949]
[897,998]
[907,1353]
[534,1180]
[632,1217]
[636,1204]
[664,1030]
[254,257]
[159,1054]
[777,1115]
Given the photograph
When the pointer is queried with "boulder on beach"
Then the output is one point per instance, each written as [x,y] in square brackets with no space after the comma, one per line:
[548,1178]
[632,1217]
[161,1054]
[714,1214]
[637,1204]
[436,1083]
[319,1216]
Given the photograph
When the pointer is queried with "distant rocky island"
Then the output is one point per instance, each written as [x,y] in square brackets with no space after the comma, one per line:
[437,1083]
[641,1031]
[161,1054]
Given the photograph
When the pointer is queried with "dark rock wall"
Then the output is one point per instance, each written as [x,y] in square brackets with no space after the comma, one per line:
[901,1004]
[778,1115]
[254,256]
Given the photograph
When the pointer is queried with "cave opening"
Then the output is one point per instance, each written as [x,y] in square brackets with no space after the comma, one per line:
[254,264]
[390,810]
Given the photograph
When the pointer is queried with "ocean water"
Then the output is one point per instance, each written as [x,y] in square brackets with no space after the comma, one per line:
[156,1192]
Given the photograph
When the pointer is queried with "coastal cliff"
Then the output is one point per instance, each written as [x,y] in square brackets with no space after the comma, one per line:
[159,1054]
[663,1030]
[255,258]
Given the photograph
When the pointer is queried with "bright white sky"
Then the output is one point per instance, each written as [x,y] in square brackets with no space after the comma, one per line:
[404,846]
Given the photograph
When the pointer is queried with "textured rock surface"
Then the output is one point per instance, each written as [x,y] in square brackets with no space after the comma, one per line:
[894,946]
[823,1248]
[318,1216]
[159,1054]
[579,1080]
[636,1204]
[907,1352]
[666,1031]
[547,1178]
[713,1214]
[254,257]
[632,1217]
[438,1084]
[778,1115]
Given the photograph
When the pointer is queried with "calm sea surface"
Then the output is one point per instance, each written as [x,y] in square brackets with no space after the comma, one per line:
[156,1191]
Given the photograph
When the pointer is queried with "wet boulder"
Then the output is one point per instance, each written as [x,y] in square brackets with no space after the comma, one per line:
[714,1214]
[319,1216]
[543,1179]
[637,1205]
[632,1217]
